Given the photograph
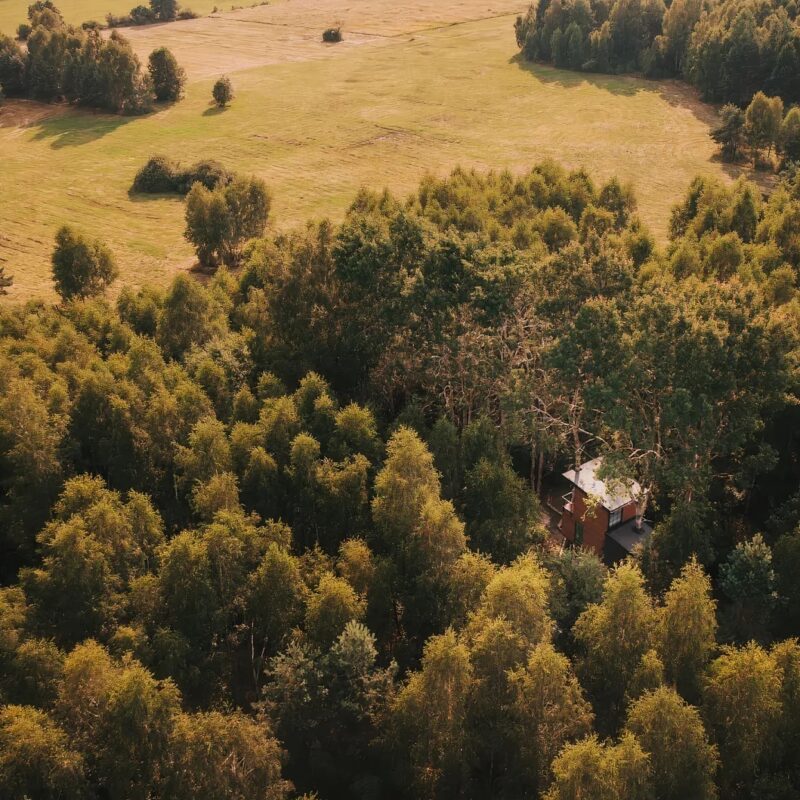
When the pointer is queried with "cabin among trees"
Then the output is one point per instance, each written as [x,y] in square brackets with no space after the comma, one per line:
[601,515]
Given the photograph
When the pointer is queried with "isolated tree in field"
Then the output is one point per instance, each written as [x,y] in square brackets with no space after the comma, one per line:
[81,268]
[218,222]
[763,120]
[730,133]
[167,75]
[222,91]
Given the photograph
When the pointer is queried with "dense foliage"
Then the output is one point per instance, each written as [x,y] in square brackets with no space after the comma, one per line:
[60,61]
[275,533]
[161,175]
[729,49]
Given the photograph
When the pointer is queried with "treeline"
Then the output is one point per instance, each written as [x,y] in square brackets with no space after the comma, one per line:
[275,533]
[762,128]
[60,61]
[156,11]
[729,49]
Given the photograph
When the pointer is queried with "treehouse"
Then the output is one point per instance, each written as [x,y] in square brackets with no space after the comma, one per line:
[602,515]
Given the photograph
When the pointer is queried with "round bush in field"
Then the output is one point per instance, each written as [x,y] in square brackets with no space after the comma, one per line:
[210,173]
[223,91]
[332,34]
[157,176]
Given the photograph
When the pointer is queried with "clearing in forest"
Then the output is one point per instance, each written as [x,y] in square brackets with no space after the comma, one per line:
[414,88]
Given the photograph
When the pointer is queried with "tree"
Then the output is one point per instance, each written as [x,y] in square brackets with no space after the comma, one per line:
[671,732]
[730,133]
[36,757]
[763,119]
[547,710]
[330,607]
[787,565]
[81,268]
[748,579]
[742,703]
[502,511]
[576,581]
[167,75]
[591,769]
[219,221]
[428,716]
[229,755]
[275,600]
[615,635]
[165,10]
[12,67]
[687,628]
[790,135]
[188,317]
[222,91]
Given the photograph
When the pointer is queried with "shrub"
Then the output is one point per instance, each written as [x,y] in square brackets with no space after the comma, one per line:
[157,176]
[210,173]
[161,175]
[23,31]
[142,15]
[332,34]
[222,91]
[114,21]
[167,75]
[187,13]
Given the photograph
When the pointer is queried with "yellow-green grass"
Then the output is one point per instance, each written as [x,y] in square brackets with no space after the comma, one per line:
[380,114]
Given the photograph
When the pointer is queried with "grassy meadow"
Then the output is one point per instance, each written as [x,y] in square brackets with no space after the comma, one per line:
[316,122]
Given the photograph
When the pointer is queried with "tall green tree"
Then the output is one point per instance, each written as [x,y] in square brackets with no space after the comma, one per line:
[81,268]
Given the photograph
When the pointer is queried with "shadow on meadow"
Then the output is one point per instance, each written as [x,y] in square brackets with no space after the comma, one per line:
[78,127]
[674,92]
[215,110]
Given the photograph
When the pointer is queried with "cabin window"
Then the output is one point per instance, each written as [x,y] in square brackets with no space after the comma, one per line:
[578,533]
[614,518]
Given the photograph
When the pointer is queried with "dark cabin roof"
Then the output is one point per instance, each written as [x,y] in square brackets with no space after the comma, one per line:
[622,539]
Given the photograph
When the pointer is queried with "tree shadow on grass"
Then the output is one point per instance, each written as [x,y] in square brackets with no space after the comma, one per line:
[215,110]
[674,92]
[149,197]
[77,127]
[765,179]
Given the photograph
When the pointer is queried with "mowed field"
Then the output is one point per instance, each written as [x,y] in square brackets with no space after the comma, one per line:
[414,88]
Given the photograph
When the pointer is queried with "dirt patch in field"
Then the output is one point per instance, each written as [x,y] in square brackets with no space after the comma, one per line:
[22,114]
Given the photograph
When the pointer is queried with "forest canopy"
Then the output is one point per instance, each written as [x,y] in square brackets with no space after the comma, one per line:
[279,532]
[729,49]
